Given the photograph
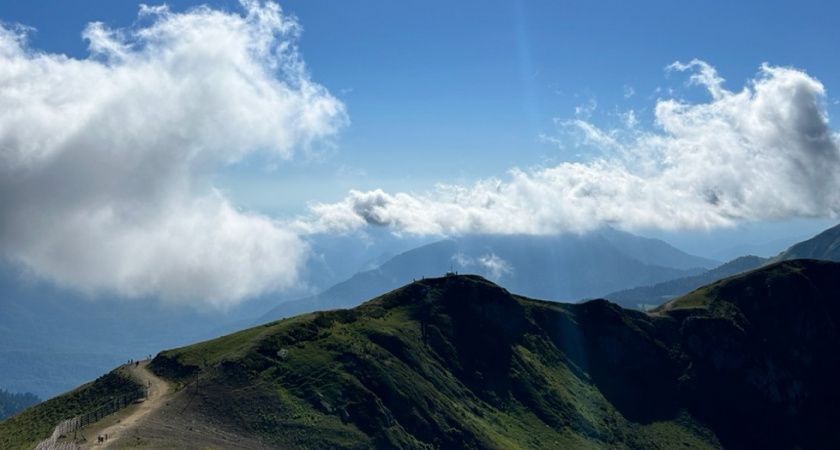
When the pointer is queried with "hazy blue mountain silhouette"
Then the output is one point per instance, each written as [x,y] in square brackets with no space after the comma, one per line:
[642,297]
[824,246]
[569,267]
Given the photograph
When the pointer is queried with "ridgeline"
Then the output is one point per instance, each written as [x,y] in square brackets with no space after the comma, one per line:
[458,362]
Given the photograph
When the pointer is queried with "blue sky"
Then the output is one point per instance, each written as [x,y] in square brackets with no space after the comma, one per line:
[518,109]
[478,83]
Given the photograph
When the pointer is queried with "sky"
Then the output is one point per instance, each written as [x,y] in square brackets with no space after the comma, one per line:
[191,151]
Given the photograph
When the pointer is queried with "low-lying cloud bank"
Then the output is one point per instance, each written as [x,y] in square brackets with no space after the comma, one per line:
[104,160]
[766,152]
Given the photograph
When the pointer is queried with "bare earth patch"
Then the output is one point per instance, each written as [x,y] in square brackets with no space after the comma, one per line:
[164,420]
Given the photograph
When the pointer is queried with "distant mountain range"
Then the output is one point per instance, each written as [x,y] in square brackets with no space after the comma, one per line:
[646,297]
[458,362]
[52,339]
[569,267]
[824,246]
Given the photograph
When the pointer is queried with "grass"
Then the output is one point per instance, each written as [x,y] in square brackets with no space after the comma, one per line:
[445,363]
[458,362]
[26,429]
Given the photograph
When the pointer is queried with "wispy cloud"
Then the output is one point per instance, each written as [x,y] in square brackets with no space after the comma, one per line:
[491,265]
[585,110]
[494,266]
[104,160]
[765,152]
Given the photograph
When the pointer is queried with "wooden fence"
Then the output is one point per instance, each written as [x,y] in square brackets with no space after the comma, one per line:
[76,423]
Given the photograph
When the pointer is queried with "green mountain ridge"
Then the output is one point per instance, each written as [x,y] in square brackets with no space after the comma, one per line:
[454,362]
[27,428]
[567,267]
[642,297]
[825,245]
[459,362]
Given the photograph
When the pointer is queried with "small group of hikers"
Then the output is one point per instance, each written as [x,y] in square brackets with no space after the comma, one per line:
[103,438]
[136,362]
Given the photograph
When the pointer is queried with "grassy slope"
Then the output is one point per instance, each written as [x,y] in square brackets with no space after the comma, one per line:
[642,296]
[26,429]
[765,344]
[443,363]
[825,245]
[457,362]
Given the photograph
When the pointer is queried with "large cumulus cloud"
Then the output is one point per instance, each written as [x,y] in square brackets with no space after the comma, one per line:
[103,160]
[765,152]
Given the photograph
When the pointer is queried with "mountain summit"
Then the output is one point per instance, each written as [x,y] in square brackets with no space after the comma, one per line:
[459,362]
[566,267]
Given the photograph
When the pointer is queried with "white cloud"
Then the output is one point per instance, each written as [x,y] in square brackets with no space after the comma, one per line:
[104,160]
[763,153]
[705,75]
[554,140]
[462,260]
[629,119]
[492,266]
[585,110]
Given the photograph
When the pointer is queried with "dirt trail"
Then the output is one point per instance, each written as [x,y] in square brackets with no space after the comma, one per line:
[158,391]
